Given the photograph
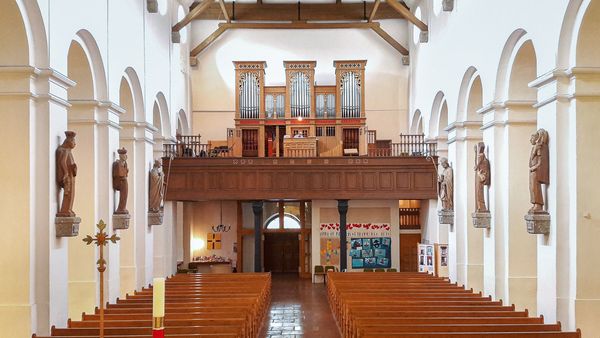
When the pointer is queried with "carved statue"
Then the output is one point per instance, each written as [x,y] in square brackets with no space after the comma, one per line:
[482,176]
[120,171]
[539,169]
[446,185]
[66,170]
[156,188]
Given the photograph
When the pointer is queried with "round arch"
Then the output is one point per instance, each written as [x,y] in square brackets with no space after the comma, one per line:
[290,221]
[470,96]
[33,23]
[507,75]
[87,42]
[133,81]
[570,32]
[182,122]
[437,117]
[416,125]
[163,110]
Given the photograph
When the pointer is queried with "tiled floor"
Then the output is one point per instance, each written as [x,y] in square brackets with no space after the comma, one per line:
[298,309]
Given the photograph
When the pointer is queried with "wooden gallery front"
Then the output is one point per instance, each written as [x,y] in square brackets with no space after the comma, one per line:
[299,170]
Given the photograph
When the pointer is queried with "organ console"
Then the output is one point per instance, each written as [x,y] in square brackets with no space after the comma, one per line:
[300,119]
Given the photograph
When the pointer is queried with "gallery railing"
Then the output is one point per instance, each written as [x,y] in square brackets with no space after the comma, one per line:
[410,145]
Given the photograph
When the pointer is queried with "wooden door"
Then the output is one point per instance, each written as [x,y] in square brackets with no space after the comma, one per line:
[351,138]
[281,252]
[250,142]
[408,252]
[281,136]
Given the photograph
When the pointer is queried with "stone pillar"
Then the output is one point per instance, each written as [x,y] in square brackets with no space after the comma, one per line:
[97,127]
[343,210]
[467,241]
[33,107]
[165,234]
[507,126]
[136,242]
[257,209]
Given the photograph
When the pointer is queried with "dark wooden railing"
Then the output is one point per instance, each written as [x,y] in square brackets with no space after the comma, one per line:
[409,145]
[410,218]
[190,146]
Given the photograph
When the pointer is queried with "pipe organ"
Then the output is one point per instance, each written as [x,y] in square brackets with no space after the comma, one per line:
[300,119]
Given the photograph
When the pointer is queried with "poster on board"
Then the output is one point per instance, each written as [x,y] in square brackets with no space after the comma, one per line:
[371,253]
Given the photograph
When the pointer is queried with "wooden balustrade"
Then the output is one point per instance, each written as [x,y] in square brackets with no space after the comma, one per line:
[410,218]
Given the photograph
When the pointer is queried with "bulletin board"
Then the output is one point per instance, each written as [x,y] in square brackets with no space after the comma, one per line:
[371,252]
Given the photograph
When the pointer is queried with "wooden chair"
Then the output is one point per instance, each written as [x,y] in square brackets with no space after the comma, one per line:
[319,271]
[379,270]
[391,270]
[367,270]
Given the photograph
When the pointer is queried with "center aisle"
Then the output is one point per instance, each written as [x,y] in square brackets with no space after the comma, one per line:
[298,309]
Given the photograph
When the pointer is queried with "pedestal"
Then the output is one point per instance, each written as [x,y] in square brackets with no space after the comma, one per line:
[446,216]
[538,223]
[155,218]
[481,220]
[67,226]
[121,221]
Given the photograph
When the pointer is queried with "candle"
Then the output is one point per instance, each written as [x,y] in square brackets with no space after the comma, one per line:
[158,298]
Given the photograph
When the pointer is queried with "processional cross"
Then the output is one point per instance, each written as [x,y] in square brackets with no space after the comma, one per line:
[101,239]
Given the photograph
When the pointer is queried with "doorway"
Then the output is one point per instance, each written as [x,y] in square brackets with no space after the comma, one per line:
[282,252]
[351,138]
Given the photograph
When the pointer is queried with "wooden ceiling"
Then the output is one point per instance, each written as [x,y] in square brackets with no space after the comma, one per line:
[339,15]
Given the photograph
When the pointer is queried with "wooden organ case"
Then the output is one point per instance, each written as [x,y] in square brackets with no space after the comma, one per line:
[299,119]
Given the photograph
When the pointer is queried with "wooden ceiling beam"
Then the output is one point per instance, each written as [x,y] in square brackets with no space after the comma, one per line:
[224,10]
[298,25]
[308,11]
[407,14]
[193,14]
[389,39]
[374,10]
[208,41]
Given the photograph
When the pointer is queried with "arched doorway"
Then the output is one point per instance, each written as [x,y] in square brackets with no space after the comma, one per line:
[286,238]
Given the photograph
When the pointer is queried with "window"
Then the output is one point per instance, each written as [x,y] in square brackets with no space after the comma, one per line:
[319,131]
[330,131]
[289,222]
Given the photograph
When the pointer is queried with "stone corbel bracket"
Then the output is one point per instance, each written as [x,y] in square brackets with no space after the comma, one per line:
[67,226]
[482,220]
[121,221]
[538,223]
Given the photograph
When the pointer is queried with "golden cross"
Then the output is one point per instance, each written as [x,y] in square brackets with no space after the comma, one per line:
[101,239]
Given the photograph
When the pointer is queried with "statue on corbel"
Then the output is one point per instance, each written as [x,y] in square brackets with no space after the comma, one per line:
[481,216]
[446,192]
[156,192]
[66,222]
[538,218]
[120,172]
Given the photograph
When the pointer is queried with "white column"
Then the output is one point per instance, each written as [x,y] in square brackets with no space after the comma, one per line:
[34,118]
[136,242]
[507,126]
[462,138]
[97,127]
[165,234]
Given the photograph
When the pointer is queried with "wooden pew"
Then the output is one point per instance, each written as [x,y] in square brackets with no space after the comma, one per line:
[420,305]
[196,305]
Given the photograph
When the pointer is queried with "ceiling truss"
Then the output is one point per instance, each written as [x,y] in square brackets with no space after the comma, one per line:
[299,16]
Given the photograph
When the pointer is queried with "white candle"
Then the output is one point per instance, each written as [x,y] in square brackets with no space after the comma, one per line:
[158,298]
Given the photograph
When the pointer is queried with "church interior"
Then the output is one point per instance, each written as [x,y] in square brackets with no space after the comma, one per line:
[316,168]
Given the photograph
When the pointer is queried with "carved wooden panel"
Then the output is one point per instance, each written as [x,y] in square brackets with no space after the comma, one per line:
[301,178]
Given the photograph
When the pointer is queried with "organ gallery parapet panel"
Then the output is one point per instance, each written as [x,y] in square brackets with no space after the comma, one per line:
[300,178]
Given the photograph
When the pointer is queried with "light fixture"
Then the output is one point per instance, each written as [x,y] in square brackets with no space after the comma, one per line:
[299,118]
[197,244]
